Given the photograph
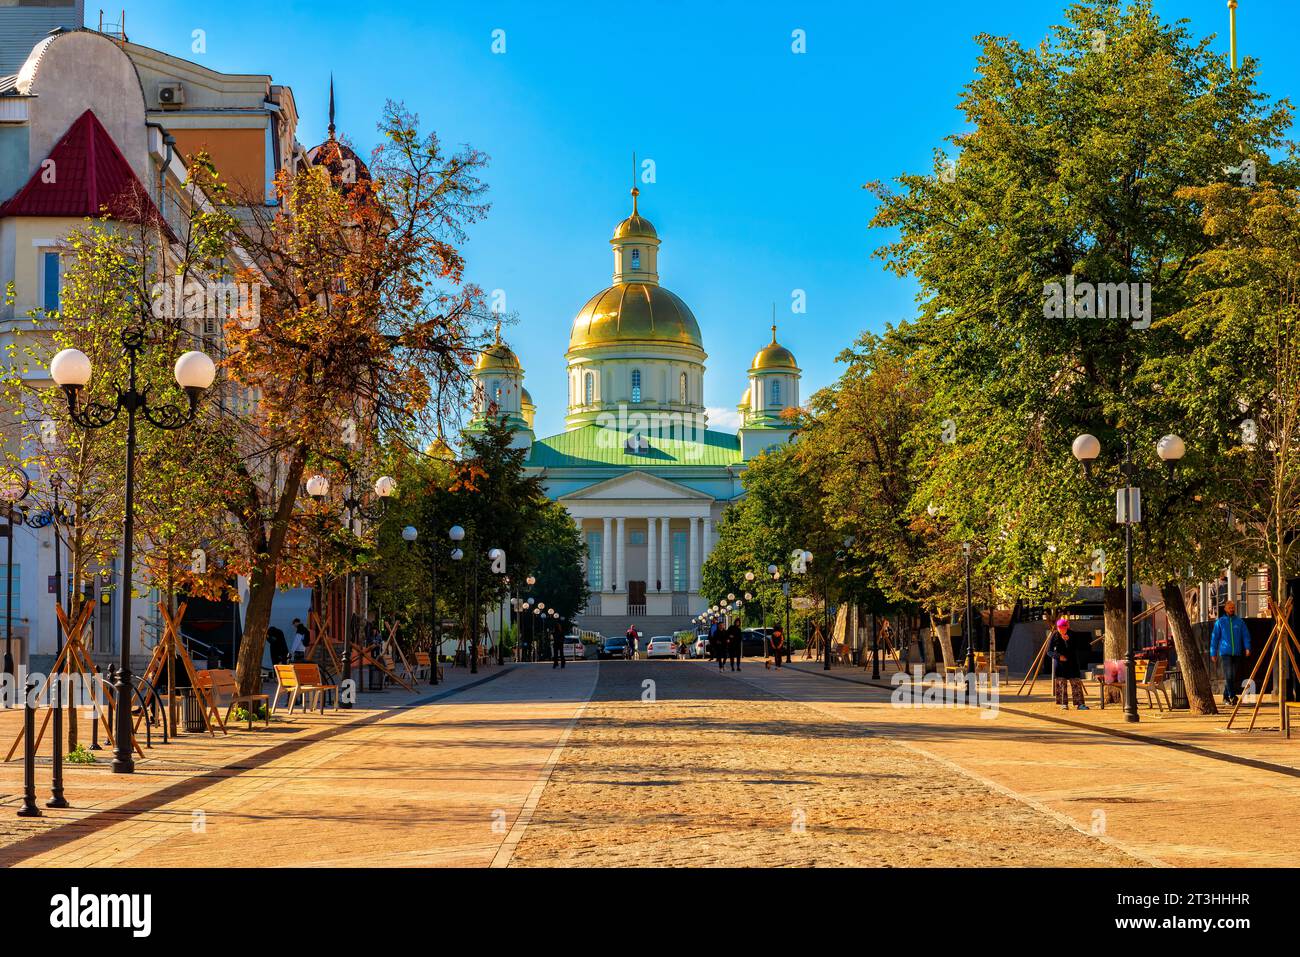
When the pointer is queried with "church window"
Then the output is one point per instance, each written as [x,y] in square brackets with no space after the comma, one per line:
[776,392]
[681,389]
[636,259]
[594,555]
[679,567]
[636,385]
[589,388]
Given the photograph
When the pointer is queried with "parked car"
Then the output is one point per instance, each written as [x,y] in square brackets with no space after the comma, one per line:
[661,646]
[701,647]
[616,647]
[574,649]
[753,643]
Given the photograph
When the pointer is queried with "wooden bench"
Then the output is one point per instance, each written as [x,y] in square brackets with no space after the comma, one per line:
[1149,679]
[424,661]
[218,687]
[982,664]
[302,679]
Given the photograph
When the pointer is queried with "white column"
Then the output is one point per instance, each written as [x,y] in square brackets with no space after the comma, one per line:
[708,539]
[621,580]
[694,551]
[666,554]
[652,554]
[606,552]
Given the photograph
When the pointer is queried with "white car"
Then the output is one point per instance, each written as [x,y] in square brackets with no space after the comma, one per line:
[661,646]
[574,649]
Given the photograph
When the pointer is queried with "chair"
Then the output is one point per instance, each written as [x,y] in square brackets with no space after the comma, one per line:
[293,680]
[216,684]
[1152,679]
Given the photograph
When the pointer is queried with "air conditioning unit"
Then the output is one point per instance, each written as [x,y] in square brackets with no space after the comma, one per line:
[171,94]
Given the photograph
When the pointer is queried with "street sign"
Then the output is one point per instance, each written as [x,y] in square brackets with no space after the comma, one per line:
[1128,506]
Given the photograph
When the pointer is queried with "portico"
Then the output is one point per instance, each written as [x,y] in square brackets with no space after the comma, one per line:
[647,539]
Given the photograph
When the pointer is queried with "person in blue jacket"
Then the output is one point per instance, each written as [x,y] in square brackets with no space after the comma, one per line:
[1230,641]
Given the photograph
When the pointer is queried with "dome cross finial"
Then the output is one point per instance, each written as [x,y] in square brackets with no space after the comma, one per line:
[331,126]
[773,323]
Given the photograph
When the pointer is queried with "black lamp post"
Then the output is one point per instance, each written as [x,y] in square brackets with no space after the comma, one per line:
[71,370]
[457,534]
[13,489]
[1128,512]
[53,518]
[354,508]
[970,625]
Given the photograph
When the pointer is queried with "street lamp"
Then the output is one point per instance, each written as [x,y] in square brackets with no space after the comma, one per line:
[14,486]
[194,373]
[498,558]
[1128,512]
[970,630]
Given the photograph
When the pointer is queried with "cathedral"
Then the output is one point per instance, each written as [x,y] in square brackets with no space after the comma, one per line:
[637,467]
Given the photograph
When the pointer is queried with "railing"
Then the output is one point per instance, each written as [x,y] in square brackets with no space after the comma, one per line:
[636,609]
[593,604]
[680,606]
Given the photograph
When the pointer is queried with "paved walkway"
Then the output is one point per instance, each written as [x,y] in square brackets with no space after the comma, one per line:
[1169,804]
[438,783]
[671,763]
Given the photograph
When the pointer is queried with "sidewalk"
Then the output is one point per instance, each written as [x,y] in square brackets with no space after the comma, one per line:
[184,765]
[1178,791]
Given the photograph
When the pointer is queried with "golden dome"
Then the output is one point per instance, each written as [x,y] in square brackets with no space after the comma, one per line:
[773,356]
[744,398]
[497,356]
[635,312]
[635,226]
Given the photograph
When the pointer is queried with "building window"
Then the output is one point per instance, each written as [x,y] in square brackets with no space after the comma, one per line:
[18,591]
[636,538]
[681,389]
[776,392]
[636,385]
[680,569]
[589,388]
[636,259]
[594,554]
[51,281]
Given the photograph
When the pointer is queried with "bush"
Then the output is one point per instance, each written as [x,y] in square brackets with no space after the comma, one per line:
[79,755]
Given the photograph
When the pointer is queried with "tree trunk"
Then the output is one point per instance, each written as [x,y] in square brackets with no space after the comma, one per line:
[1115,643]
[944,633]
[1196,676]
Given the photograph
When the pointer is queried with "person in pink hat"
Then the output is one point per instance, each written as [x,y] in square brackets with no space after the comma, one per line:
[1066,683]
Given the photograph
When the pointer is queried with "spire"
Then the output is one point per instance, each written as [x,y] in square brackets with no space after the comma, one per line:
[331,126]
[635,192]
[773,323]
[1232,31]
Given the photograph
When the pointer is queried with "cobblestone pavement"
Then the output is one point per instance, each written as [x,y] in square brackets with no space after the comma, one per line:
[716,771]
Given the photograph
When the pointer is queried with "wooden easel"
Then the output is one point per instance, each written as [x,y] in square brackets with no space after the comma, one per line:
[393,648]
[887,638]
[320,637]
[73,659]
[1031,676]
[169,648]
[362,656]
[1281,640]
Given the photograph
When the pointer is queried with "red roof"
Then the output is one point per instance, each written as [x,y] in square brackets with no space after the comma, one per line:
[89,177]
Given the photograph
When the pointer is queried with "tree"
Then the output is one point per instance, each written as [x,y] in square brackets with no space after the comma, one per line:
[365,335]
[1070,174]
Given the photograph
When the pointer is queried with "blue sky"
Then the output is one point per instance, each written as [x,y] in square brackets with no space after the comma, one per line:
[759,153]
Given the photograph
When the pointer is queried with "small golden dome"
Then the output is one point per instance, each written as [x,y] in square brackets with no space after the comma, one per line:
[497,356]
[635,312]
[773,356]
[635,226]
[744,398]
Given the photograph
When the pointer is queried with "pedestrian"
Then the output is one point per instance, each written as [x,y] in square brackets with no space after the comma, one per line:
[1065,674]
[294,648]
[1230,640]
[778,644]
[630,635]
[718,644]
[279,648]
[735,639]
[557,648]
[304,638]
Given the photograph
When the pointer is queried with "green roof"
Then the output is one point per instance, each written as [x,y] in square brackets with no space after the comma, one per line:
[599,446]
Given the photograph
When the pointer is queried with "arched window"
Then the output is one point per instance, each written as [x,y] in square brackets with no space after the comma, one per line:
[776,391]
[636,385]
[636,259]
[681,389]
[589,388]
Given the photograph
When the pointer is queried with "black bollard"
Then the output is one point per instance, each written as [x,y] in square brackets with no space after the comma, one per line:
[56,774]
[29,808]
